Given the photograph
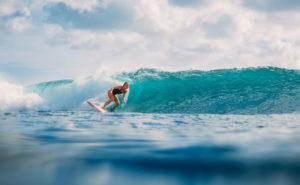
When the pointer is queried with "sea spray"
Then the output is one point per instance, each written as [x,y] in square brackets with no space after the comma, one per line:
[14,98]
[72,94]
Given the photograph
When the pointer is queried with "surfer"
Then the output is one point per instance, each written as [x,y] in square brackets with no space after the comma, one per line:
[112,95]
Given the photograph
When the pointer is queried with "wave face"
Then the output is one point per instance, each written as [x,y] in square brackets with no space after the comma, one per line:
[229,91]
[246,91]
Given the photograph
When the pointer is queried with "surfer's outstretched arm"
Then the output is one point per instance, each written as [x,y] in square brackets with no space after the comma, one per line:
[124,94]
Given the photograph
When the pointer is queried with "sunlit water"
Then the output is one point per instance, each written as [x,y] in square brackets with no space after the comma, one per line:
[87,148]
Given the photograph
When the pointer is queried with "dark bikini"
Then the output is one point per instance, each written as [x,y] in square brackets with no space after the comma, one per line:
[116,91]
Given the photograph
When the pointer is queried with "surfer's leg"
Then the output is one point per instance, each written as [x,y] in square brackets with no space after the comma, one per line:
[111,98]
[117,103]
[106,103]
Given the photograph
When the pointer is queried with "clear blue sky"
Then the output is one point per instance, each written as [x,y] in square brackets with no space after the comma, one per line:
[59,39]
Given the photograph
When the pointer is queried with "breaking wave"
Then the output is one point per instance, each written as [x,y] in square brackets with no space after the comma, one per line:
[266,90]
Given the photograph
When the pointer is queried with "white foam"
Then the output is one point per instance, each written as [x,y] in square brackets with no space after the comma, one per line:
[13,97]
[73,95]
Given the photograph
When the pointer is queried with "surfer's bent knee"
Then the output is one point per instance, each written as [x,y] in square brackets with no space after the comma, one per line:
[116,100]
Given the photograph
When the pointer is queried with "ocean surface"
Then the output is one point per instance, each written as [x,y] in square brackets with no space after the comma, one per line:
[231,126]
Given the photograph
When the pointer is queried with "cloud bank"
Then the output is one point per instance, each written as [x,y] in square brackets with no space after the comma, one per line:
[66,38]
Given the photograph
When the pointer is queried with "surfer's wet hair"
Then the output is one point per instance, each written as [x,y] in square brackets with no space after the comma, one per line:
[125,83]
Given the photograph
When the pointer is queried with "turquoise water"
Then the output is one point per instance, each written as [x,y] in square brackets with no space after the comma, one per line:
[234,126]
[246,91]
[232,91]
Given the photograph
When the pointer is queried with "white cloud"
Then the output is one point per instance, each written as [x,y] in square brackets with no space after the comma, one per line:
[19,24]
[86,5]
[158,16]
[7,7]
[83,39]
[220,34]
[14,16]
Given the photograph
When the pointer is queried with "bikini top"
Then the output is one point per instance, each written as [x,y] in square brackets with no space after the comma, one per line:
[116,91]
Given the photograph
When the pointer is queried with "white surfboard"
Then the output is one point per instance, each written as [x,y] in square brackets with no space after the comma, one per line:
[96,107]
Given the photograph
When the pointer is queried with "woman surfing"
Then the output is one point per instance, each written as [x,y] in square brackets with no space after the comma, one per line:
[112,95]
